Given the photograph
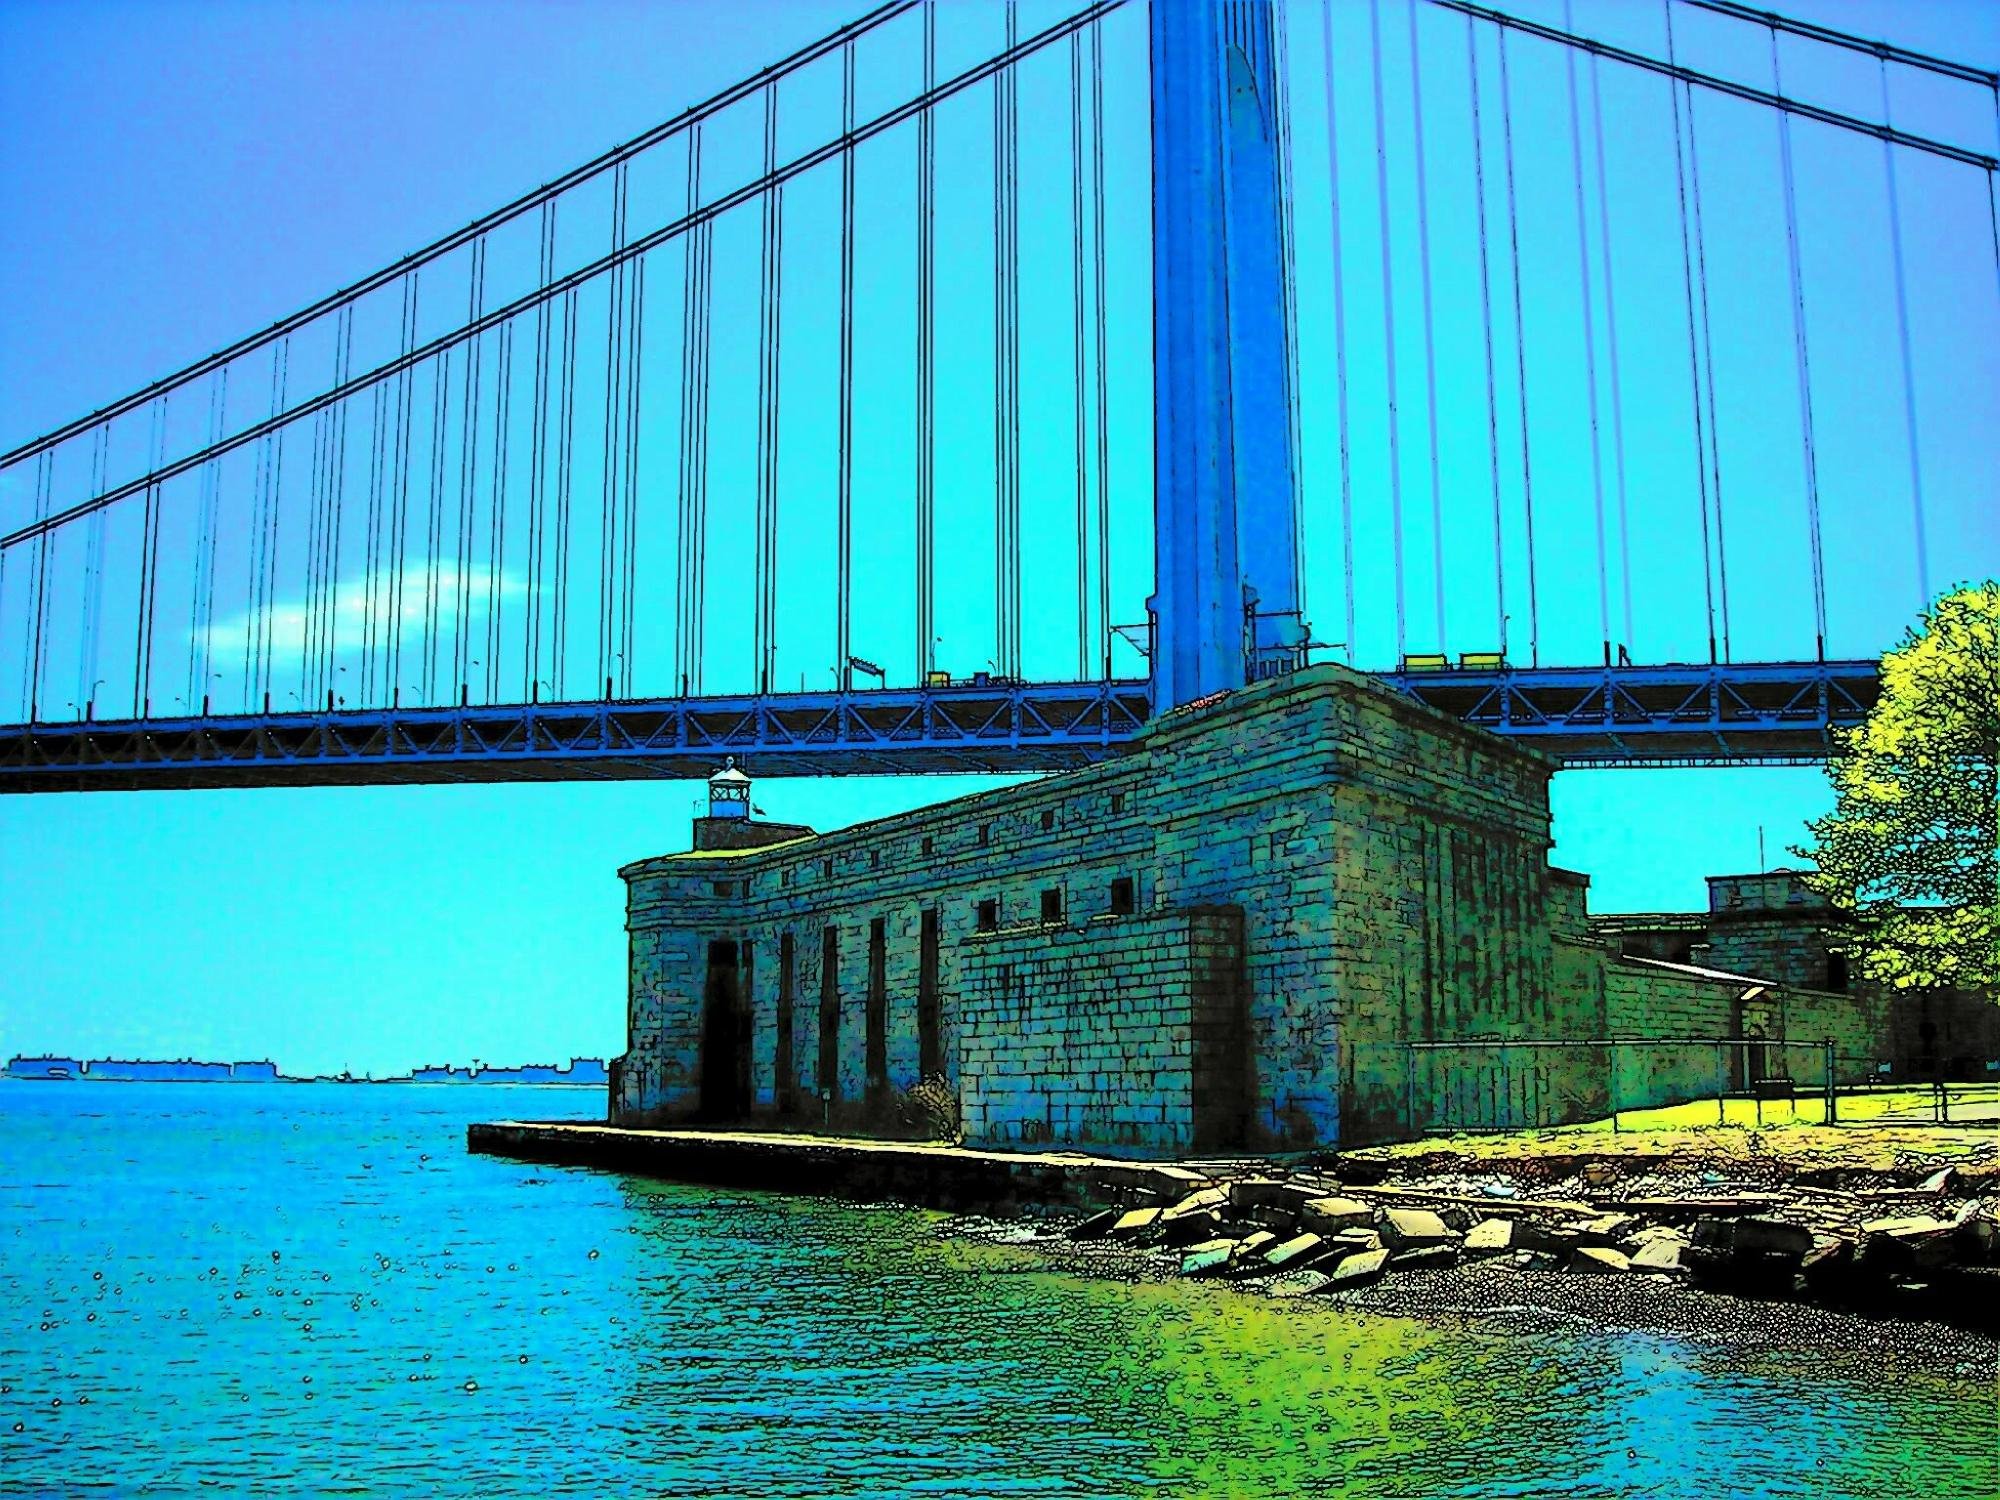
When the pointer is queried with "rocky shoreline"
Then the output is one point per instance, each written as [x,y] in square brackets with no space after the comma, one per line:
[1907,1272]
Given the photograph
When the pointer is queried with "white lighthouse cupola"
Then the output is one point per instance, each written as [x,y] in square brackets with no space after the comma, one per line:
[729,793]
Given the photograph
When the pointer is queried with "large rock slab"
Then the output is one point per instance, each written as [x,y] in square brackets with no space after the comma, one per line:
[1413,1229]
[1299,1250]
[1209,1258]
[1135,1224]
[1330,1215]
[1660,1255]
[1493,1237]
[1205,1200]
[1600,1260]
[1424,1258]
[1358,1270]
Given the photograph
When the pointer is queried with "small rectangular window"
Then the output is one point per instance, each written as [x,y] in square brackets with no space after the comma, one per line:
[989,916]
[787,876]
[826,868]
[1117,802]
[874,859]
[930,846]
[1124,899]
[722,888]
[1052,905]
[1048,819]
[985,834]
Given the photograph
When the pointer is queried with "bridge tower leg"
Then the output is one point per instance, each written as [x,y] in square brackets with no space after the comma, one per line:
[1225,517]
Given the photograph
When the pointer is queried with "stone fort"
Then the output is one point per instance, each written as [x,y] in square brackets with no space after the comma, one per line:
[1308,912]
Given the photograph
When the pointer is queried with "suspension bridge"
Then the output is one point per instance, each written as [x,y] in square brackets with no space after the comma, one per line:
[1580,382]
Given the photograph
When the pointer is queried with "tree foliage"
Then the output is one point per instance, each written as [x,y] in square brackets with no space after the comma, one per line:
[1909,849]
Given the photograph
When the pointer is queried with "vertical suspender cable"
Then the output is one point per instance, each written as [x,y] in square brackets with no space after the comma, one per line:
[565,460]
[1486,326]
[371,582]
[694,434]
[1903,339]
[329,648]
[614,433]
[1103,511]
[1339,325]
[1520,358]
[926,392]
[1281,70]
[399,520]
[1430,340]
[1802,360]
[93,575]
[1006,359]
[1708,364]
[1083,652]
[468,465]
[1388,324]
[434,543]
[37,653]
[538,462]
[1694,349]
[149,566]
[628,551]
[201,625]
[496,530]
[844,624]
[1589,345]
[1611,350]
[768,370]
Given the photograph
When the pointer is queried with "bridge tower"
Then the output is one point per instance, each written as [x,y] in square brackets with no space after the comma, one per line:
[1226,595]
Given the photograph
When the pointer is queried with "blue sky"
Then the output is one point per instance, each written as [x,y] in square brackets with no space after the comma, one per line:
[182,173]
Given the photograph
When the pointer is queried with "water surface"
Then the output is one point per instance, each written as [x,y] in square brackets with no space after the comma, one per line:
[305,1289]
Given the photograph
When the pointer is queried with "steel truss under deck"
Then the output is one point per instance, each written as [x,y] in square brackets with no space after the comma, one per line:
[1669,715]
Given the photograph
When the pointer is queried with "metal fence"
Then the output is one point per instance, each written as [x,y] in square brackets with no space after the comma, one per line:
[1653,1083]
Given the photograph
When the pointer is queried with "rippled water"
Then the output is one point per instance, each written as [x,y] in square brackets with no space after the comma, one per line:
[305,1289]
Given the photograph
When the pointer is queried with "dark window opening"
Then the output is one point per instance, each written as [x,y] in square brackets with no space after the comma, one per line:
[876,1046]
[1052,905]
[722,888]
[787,1077]
[1117,802]
[985,834]
[828,1076]
[1124,899]
[1048,820]
[1836,971]
[930,1037]
[989,916]
[929,845]
[874,859]
[826,868]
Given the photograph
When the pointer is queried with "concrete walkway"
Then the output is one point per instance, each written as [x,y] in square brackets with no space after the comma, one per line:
[921,1172]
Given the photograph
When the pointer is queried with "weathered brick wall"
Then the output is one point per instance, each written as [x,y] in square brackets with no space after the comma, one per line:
[1058,1025]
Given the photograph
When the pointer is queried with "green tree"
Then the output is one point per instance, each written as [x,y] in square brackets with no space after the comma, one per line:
[1909,848]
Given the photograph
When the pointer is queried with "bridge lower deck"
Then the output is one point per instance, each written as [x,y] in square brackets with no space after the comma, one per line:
[1652,715]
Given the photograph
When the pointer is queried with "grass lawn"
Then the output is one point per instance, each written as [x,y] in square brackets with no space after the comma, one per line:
[1878,1130]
